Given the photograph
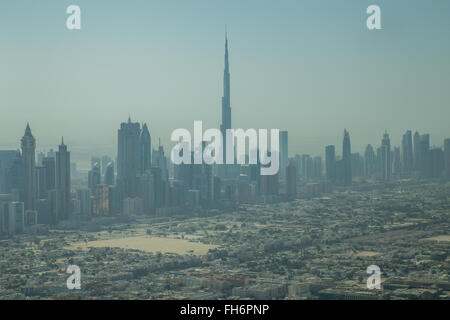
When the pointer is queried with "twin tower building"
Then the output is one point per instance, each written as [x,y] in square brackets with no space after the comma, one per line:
[52,178]
[134,156]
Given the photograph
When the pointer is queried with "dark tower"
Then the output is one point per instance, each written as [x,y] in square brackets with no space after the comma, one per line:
[29,162]
[63,181]
[128,157]
[146,149]
[386,159]
[347,159]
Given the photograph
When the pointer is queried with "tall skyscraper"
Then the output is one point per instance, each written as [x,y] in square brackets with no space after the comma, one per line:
[63,181]
[133,156]
[347,159]
[416,150]
[146,149]
[407,152]
[386,160]
[283,154]
[330,163]
[29,162]
[128,157]
[424,156]
[226,104]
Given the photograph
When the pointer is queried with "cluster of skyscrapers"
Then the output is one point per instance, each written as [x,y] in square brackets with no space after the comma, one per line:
[414,159]
[33,193]
[141,180]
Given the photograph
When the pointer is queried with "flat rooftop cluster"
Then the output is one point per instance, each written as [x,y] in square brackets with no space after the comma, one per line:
[306,249]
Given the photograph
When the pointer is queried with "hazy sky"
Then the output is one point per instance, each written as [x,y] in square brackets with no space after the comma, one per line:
[307,66]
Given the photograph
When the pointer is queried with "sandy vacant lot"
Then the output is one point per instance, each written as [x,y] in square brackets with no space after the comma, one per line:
[148,244]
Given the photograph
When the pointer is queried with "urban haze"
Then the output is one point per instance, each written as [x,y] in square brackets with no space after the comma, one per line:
[86,177]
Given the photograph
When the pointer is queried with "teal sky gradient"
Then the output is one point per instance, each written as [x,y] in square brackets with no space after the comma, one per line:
[310,67]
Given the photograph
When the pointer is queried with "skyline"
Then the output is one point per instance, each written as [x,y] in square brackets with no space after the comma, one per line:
[85,157]
[237,152]
[291,66]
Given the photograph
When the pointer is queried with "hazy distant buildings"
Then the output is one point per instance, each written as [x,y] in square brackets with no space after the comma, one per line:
[133,156]
[100,201]
[396,161]
[104,163]
[424,156]
[49,163]
[283,154]
[369,162]
[109,174]
[291,179]
[447,158]
[307,168]
[132,206]
[16,218]
[146,183]
[357,165]
[317,168]
[13,218]
[436,163]
[51,153]
[269,185]
[160,161]
[344,166]
[94,177]
[330,163]
[407,152]
[416,143]
[7,158]
[147,192]
[5,199]
[41,182]
[84,196]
